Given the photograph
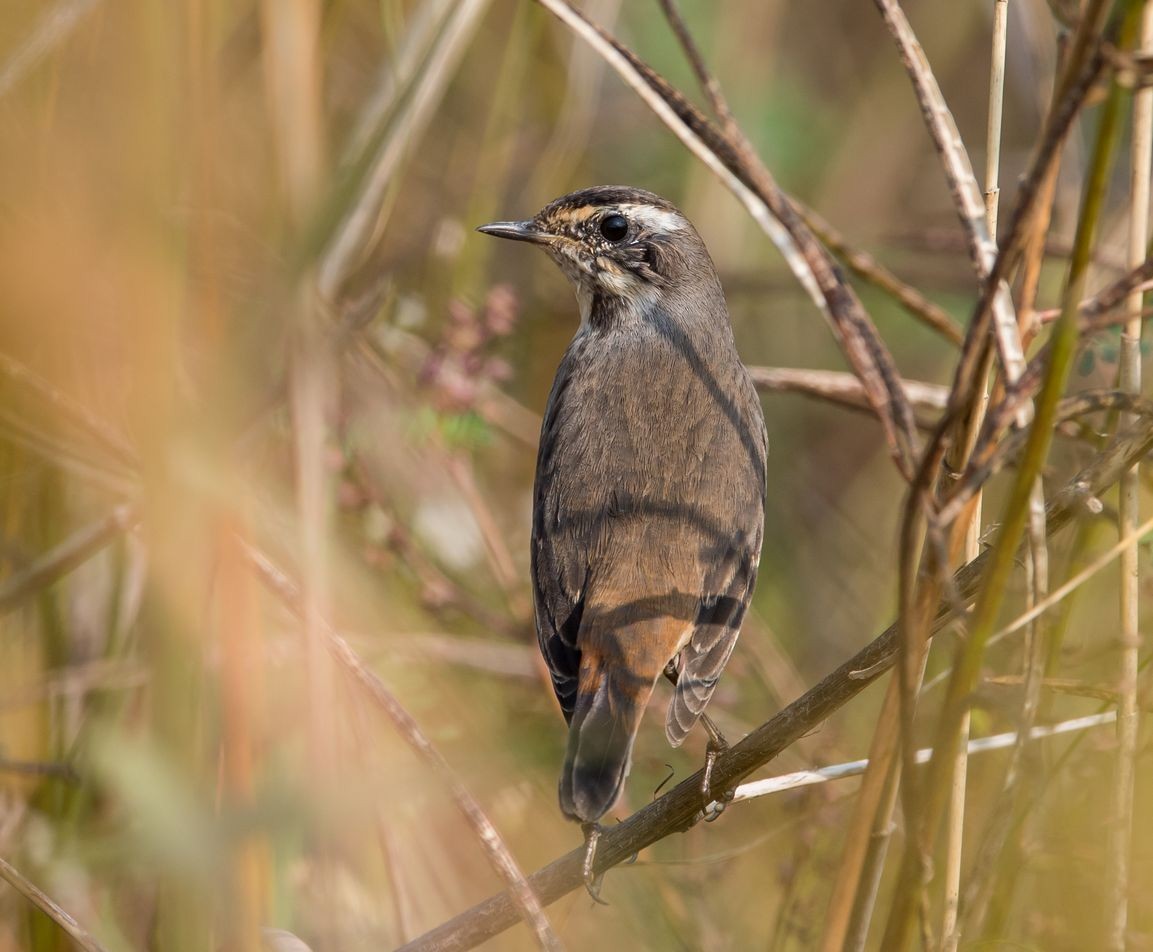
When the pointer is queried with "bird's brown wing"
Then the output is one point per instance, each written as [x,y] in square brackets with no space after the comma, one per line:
[558,598]
[714,637]
[559,562]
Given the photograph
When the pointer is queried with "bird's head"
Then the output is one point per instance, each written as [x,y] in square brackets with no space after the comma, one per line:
[619,246]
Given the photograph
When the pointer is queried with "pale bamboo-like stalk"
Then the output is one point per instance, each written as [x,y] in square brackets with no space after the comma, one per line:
[996,105]
[1129,514]
[841,387]
[955,834]
[950,936]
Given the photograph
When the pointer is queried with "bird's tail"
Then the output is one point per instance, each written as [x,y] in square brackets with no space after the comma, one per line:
[600,742]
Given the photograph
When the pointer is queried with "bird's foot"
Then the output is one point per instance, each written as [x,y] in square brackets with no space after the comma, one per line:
[592,834]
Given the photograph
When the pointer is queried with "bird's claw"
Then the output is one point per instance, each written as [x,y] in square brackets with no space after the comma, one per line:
[592,834]
[716,807]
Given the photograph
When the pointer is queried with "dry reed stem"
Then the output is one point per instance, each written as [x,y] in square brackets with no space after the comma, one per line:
[950,926]
[950,932]
[294,81]
[46,904]
[678,808]
[961,179]
[1129,514]
[74,551]
[55,25]
[743,173]
[70,411]
[525,902]
[360,220]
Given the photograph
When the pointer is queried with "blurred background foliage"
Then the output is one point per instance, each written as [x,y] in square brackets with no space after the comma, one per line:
[177,769]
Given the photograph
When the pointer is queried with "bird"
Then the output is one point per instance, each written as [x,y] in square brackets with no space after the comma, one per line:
[648,500]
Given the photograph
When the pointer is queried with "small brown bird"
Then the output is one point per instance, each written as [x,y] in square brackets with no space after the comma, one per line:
[648,508]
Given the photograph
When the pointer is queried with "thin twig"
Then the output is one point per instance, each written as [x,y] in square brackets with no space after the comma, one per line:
[46,904]
[755,789]
[74,551]
[842,388]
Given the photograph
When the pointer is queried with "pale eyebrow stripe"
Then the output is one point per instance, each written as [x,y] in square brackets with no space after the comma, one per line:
[658,219]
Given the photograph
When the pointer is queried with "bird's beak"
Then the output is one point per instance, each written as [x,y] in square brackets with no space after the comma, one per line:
[517,231]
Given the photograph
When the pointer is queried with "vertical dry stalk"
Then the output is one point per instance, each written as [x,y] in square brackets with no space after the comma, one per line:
[955,835]
[294,82]
[1129,515]
[903,915]
[241,664]
[950,935]
[996,106]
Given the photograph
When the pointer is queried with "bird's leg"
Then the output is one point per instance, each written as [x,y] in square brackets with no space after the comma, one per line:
[717,745]
[592,835]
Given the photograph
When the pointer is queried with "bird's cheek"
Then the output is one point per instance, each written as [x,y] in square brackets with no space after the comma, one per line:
[613,281]
[570,262]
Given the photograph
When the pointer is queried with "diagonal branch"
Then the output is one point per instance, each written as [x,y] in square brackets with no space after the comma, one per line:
[678,809]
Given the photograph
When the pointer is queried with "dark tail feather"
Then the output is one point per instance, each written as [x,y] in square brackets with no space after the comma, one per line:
[600,744]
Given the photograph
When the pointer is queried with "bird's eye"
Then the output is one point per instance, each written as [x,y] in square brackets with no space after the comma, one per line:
[614,228]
